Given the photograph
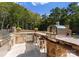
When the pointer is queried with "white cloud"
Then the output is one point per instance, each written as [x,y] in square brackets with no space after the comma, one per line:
[39,3]
[34,4]
[78,4]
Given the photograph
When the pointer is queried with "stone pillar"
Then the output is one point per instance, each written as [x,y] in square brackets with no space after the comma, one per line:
[36,29]
[14,29]
[34,38]
[43,47]
[12,38]
[11,41]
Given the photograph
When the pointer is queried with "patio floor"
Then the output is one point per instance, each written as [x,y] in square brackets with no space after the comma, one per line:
[25,50]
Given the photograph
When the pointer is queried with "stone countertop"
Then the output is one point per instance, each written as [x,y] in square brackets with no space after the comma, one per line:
[68,39]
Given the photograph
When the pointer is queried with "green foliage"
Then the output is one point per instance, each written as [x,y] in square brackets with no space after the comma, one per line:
[18,28]
[12,14]
[66,16]
[74,16]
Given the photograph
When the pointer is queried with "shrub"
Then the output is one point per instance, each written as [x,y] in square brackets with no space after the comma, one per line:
[18,29]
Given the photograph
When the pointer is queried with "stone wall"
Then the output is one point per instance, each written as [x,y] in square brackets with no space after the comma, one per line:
[59,31]
[55,49]
[19,39]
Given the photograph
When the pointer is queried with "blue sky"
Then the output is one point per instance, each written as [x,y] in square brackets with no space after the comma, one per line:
[43,7]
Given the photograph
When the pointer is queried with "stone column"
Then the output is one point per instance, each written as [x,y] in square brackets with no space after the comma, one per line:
[14,29]
[12,38]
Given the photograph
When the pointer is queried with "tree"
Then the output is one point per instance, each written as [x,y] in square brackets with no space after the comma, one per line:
[58,14]
[73,11]
[16,15]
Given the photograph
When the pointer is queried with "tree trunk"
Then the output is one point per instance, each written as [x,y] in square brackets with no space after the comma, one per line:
[2,23]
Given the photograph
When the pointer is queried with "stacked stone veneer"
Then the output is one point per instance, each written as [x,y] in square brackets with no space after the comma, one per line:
[55,49]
